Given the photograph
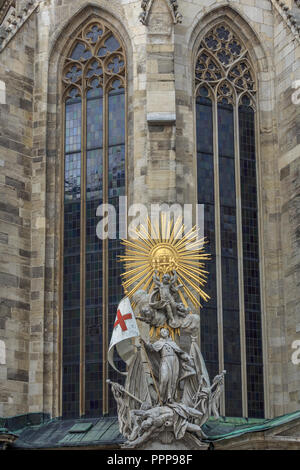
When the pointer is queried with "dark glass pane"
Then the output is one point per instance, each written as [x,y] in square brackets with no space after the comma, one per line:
[210,287]
[204,125]
[71,324]
[70,393]
[116,175]
[71,262]
[93,381]
[227,181]
[255,375]
[95,92]
[228,231]
[94,34]
[72,177]
[93,313]
[226,130]
[230,278]
[111,44]
[94,134]
[94,265]
[232,349]
[80,52]
[93,344]
[254,351]
[205,170]
[233,391]
[94,188]
[116,188]
[74,73]
[230,283]
[116,124]
[205,183]
[73,126]
[209,233]
[248,174]
[250,233]
[209,340]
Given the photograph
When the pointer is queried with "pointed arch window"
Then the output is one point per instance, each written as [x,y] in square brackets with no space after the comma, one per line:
[231,331]
[94,96]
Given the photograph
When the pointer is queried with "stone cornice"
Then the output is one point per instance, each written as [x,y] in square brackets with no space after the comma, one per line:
[14,20]
[173,7]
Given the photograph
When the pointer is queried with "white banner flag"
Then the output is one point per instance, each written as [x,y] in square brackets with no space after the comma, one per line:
[125,328]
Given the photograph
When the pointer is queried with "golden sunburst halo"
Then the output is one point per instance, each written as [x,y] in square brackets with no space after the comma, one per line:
[163,246]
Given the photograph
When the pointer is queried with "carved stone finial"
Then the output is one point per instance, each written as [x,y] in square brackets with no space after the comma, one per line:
[173,7]
[13,17]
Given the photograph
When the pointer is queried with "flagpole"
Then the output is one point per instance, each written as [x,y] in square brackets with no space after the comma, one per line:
[125,391]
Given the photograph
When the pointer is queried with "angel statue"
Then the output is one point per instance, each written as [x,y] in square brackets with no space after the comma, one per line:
[151,312]
[165,296]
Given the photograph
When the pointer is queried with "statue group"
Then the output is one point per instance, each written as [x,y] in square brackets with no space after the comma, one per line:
[168,395]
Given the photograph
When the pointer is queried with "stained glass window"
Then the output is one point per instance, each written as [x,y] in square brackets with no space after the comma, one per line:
[94,171]
[226,168]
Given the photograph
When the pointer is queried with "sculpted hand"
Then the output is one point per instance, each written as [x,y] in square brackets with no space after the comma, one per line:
[143,342]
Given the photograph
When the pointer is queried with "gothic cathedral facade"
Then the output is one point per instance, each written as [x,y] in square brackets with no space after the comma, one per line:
[176,102]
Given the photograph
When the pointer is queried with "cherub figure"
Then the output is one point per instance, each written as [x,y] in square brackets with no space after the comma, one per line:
[182,311]
[166,291]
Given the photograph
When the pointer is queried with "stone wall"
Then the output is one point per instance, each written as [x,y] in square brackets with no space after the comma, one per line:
[287,72]
[161,168]
[16,251]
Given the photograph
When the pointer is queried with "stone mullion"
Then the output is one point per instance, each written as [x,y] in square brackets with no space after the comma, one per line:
[218,247]
[264,322]
[239,226]
[61,272]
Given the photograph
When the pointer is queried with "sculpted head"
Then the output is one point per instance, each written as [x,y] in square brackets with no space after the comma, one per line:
[164,333]
[146,311]
[182,309]
[166,278]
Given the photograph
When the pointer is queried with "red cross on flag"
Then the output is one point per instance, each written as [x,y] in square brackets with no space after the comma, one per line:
[125,328]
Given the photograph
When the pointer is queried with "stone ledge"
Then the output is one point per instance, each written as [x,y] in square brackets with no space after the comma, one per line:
[158,119]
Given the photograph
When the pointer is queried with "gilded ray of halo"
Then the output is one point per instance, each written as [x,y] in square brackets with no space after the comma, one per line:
[171,249]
